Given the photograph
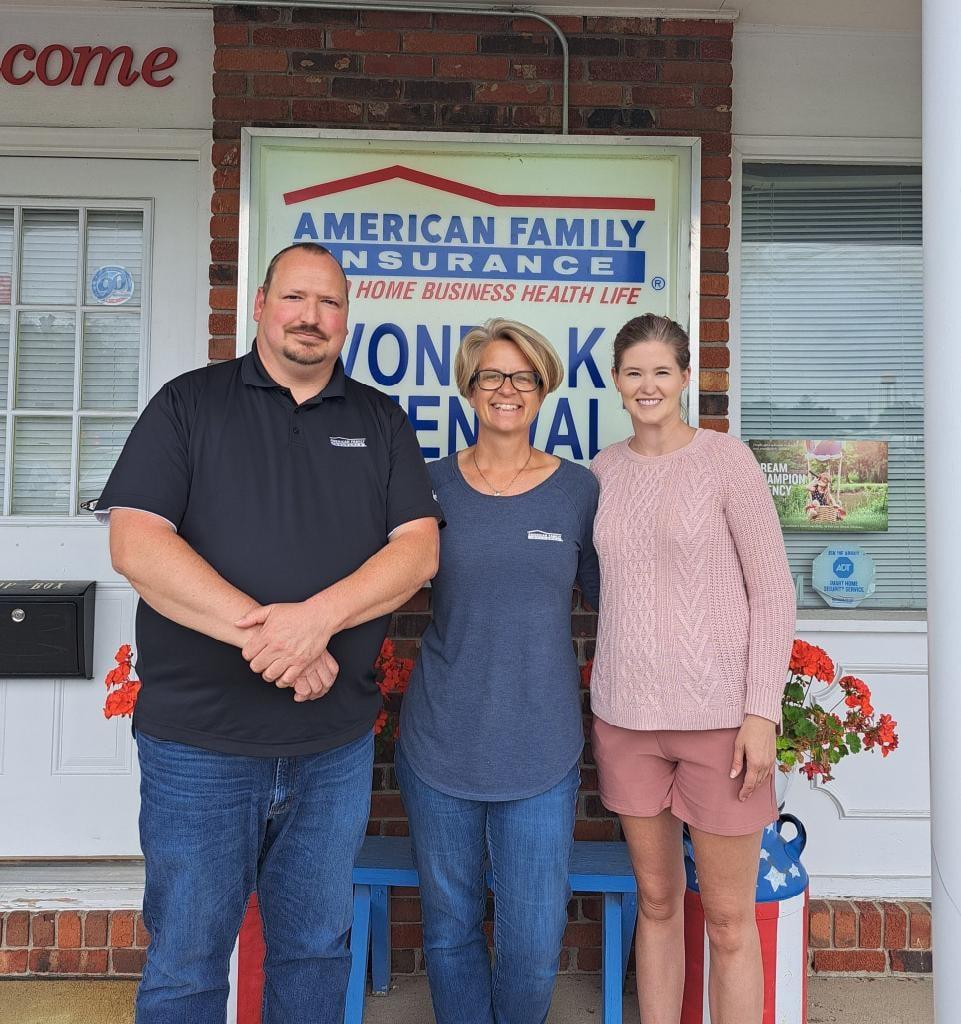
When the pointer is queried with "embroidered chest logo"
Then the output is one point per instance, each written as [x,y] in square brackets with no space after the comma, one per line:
[544,535]
[349,442]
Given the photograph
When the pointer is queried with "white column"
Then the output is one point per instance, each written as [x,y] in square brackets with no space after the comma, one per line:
[941,131]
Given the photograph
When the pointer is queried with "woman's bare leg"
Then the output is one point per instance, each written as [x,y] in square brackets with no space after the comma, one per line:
[655,849]
[727,877]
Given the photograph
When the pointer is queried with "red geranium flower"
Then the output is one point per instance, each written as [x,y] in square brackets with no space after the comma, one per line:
[121,701]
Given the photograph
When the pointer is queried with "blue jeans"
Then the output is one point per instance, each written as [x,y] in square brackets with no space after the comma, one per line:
[528,843]
[214,827]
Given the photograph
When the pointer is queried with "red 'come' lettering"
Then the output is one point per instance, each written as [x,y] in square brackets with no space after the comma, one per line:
[57,64]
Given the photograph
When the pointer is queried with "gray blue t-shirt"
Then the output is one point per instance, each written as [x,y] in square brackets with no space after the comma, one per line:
[493,707]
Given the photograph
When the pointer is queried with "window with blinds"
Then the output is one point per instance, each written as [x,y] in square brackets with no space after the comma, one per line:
[71,344]
[831,341]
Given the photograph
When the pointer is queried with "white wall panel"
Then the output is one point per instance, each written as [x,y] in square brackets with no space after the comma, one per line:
[869,829]
[826,83]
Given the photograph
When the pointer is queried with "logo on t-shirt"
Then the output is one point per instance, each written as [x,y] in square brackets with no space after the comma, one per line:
[349,442]
[544,535]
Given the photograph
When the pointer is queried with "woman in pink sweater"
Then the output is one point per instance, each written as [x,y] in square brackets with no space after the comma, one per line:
[695,632]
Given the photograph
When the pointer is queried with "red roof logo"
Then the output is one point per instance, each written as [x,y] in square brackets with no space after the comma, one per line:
[458,188]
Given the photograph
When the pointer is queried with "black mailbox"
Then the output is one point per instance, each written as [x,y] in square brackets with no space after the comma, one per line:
[46,628]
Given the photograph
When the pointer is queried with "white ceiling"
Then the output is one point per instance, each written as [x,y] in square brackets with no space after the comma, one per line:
[870,15]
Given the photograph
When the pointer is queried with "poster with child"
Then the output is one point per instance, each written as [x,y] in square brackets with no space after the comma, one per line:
[827,485]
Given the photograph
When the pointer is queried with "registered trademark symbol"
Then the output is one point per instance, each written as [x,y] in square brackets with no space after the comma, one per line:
[658,283]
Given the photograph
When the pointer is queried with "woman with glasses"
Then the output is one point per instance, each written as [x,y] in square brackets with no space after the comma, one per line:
[491,731]
[693,640]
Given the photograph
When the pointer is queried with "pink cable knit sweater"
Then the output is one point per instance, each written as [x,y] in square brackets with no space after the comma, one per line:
[697,602]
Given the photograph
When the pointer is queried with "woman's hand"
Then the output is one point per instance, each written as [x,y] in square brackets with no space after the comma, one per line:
[754,749]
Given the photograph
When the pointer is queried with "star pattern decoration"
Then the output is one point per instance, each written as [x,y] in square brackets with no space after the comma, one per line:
[793,871]
[776,878]
[764,854]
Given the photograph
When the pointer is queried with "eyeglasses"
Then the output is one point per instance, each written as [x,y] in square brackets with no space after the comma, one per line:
[491,380]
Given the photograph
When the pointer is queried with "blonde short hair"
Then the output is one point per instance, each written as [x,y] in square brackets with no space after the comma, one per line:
[535,348]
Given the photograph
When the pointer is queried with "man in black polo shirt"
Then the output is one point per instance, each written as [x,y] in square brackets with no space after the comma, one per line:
[271,513]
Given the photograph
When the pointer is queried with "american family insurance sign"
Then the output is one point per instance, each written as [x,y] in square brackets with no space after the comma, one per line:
[571,237]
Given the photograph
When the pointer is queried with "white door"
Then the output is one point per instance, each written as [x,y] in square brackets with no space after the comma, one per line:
[98,307]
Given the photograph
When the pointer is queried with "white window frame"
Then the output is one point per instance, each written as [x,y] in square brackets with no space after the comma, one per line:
[7,410]
[810,150]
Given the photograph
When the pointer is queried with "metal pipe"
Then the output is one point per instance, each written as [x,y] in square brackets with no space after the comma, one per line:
[433,9]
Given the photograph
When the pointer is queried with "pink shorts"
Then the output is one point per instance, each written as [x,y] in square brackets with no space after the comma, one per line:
[643,772]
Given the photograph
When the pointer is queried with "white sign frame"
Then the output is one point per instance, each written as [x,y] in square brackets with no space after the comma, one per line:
[685,243]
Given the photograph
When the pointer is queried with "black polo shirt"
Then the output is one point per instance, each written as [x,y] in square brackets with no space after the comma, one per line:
[282,500]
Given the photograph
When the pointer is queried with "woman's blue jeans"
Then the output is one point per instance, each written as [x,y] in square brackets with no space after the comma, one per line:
[528,844]
[214,827]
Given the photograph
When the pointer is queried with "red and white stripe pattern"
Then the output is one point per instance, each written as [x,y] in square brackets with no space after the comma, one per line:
[782,926]
[246,970]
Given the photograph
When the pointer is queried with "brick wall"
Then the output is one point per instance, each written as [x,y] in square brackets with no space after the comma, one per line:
[370,70]
[847,937]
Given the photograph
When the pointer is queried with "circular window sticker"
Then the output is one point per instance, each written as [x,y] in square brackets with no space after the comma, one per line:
[112,286]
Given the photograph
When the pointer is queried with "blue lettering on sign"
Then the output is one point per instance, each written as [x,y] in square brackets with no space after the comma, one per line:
[581,354]
[306,230]
[488,263]
[414,405]
[422,355]
[843,567]
[563,432]
[383,378]
[426,351]
[457,420]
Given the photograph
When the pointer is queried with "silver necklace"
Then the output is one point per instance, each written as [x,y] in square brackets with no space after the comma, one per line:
[494,491]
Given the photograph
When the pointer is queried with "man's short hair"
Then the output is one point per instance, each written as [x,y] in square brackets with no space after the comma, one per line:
[312,247]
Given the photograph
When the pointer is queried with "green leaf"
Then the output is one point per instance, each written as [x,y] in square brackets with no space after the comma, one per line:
[806,729]
[794,692]
[854,742]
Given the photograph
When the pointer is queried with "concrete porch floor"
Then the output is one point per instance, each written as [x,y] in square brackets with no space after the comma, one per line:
[577,1001]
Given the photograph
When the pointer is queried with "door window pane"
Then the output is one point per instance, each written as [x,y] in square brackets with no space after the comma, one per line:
[100,444]
[45,358]
[48,265]
[41,466]
[114,257]
[111,361]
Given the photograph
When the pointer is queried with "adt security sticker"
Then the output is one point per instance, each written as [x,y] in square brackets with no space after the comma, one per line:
[844,577]
[112,286]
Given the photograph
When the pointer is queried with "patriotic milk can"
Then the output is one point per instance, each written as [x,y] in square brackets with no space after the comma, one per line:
[781,909]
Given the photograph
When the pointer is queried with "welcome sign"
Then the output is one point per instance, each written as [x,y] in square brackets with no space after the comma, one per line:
[572,236]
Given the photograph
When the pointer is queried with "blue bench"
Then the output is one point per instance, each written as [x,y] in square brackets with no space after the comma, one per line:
[385,861]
